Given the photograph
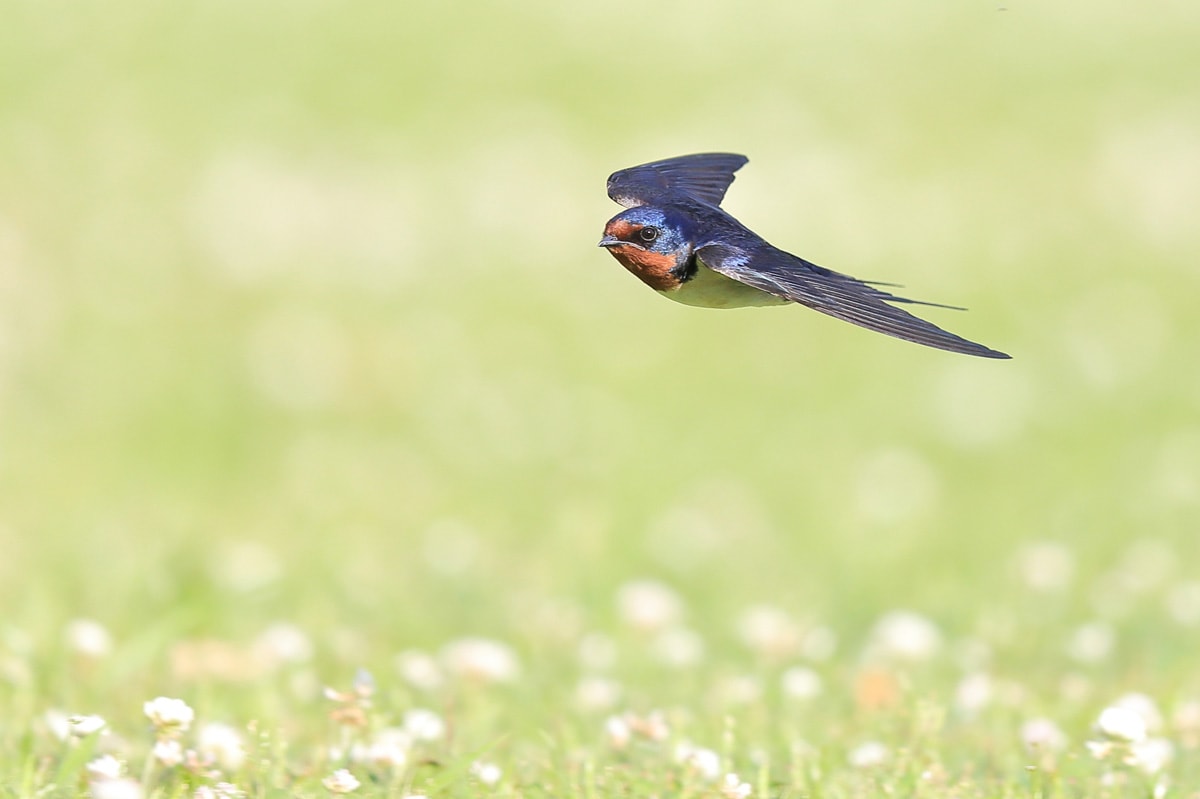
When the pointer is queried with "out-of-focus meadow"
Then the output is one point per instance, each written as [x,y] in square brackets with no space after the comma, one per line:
[309,363]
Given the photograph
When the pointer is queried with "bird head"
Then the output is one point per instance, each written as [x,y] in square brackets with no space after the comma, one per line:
[651,243]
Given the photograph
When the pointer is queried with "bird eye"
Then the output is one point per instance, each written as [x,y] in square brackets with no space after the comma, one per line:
[648,234]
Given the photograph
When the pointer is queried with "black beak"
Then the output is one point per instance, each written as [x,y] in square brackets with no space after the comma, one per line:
[609,241]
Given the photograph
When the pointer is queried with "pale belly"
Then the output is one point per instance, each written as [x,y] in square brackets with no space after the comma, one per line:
[709,289]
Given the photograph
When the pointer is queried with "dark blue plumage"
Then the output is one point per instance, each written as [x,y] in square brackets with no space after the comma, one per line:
[675,237]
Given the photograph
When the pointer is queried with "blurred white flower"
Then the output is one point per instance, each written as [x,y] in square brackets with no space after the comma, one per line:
[487,773]
[168,752]
[1046,565]
[868,755]
[105,767]
[597,693]
[59,723]
[905,635]
[648,605]
[1151,755]
[617,731]
[1092,643]
[819,644]
[123,788]
[1121,725]
[424,725]
[341,781]
[223,743]
[800,682]
[169,716]
[419,669]
[769,631]
[678,647]
[83,726]
[1186,718]
[732,787]
[1043,735]
[652,726]
[480,659]
[283,642]
[389,749]
[974,692]
[704,762]
[88,638]
[1145,707]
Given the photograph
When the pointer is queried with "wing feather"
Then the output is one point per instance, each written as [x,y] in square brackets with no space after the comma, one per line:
[704,177]
[833,293]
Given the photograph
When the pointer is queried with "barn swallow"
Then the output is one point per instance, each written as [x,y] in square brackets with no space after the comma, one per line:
[677,240]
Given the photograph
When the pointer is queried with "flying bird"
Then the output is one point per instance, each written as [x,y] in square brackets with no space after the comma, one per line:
[676,239]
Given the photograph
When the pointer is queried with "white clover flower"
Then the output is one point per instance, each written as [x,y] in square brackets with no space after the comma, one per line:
[801,683]
[974,692]
[341,781]
[284,642]
[1043,735]
[88,638]
[869,755]
[168,752]
[1145,707]
[169,716]
[617,731]
[83,726]
[424,725]
[648,605]
[223,743]
[678,647]
[1121,725]
[419,669]
[652,726]
[769,631]
[905,635]
[732,787]
[59,724]
[122,788]
[1151,755]
[480,659]
[704,762]
[1046,566]
[1092,643]
[105,767]
[597,693]
[487,773]
[389,748]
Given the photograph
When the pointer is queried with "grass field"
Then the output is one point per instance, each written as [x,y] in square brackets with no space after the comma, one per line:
[321,412]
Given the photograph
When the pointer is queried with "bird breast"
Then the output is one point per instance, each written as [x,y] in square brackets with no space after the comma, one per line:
[652,268]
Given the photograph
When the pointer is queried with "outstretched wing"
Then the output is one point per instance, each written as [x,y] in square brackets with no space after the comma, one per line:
[847,298]
[704,177]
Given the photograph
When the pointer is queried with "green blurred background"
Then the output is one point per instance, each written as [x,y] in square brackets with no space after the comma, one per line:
[301,312]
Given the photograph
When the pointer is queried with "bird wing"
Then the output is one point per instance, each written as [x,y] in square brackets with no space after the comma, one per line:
[704,177]
[841,296]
